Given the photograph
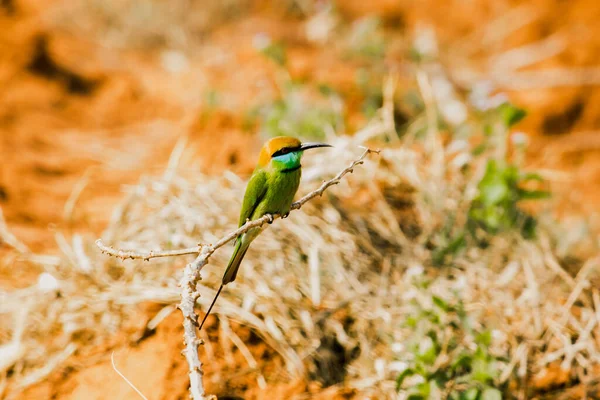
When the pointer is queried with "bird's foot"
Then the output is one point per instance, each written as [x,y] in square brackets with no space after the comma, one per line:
[284,216]
[270,219]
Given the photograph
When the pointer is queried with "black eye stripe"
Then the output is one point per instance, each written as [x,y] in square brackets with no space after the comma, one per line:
[283,151]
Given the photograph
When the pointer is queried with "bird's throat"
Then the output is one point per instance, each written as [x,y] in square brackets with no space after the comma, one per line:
[287,162]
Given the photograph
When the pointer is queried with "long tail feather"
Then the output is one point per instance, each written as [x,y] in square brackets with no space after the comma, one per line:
[241,246]
[236,258]
[210,308]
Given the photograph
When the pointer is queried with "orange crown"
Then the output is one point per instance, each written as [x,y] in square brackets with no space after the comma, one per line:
[274,144]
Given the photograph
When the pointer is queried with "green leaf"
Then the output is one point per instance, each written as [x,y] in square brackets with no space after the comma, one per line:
[428,355]
[484,338]
[457,243]
[511,175]
[440,303]
[533,194]
[488,130]
[462,361]
[326,90]
[528,228]
[479,149]
[492,219]
[419,392]
[491,394]
[532,176]
[469,394]
[494,191]
[510,114]
[492,187]
[483,370]
[411,322]
[403,375]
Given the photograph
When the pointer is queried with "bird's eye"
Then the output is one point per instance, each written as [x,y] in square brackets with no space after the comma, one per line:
[281,152]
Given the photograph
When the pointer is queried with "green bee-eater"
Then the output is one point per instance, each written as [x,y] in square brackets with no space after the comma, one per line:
[271,190]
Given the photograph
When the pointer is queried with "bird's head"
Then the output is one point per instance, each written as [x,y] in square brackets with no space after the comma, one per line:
[284,152]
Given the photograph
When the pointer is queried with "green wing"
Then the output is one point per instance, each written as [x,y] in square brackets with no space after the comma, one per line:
[255,191]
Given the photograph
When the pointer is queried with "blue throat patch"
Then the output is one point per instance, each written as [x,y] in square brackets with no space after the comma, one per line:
[287,162]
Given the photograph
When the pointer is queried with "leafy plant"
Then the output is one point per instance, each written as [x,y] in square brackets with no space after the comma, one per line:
[446,356]
[497,121]
[449,246]
[510,114]
[495,209]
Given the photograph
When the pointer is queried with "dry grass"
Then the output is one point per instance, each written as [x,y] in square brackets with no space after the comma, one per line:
[340,271]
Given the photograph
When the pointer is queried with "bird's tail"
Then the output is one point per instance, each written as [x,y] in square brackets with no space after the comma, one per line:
[241,246]
[210,308]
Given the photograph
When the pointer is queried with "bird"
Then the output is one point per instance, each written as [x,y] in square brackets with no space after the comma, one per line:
[270,190]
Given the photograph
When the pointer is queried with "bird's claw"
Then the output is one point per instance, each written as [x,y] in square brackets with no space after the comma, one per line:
[284,216]
[270,219]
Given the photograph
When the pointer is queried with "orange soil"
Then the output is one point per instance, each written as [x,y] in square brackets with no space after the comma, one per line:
[72,111]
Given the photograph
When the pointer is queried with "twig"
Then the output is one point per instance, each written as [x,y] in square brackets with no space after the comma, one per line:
[333,181]
[131,385]
[191,275]
[531,53]
[7,237]
[175,158]
[548,78]
[40,374]
[239,343]
[75,194]
[495,31]
[83,261]
[147,255]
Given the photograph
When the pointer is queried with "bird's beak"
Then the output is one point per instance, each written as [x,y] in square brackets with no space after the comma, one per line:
[306,146]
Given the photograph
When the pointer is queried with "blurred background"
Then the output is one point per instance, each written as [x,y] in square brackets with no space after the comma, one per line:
[111,111]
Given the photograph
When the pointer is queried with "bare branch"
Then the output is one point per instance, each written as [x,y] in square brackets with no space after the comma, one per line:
[189,295]
[131,385]
[333,181]
[191,275]
[134,254]
[7,237]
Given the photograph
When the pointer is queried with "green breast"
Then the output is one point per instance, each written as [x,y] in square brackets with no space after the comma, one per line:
[282,187]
